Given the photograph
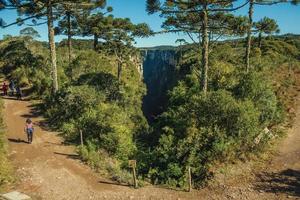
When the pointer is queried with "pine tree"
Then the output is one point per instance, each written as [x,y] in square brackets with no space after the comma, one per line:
[265,26]
[195,17]
[37,10]
[250,24]
[68,25]
[29,32]
[95,25]
[119,38]
[116,34]
[41,12]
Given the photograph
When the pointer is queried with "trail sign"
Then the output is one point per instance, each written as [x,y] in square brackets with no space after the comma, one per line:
[132,163]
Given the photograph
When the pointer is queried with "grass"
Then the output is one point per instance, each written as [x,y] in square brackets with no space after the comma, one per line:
[5,167]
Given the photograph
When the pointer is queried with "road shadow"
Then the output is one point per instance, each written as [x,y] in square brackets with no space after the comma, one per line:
[36,112]
[17,140]
[57,144]
[114,183]
[44,125]
[71,156]
[284,182]
[13,98]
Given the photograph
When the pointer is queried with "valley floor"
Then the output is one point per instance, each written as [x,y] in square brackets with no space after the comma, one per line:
[48,169]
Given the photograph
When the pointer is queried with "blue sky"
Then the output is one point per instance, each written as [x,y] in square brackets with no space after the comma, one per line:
[286,15]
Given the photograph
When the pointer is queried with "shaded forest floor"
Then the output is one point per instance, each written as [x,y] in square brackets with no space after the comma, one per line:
[50,169]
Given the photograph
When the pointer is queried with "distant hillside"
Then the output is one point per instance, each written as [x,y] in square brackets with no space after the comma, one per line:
[162,48]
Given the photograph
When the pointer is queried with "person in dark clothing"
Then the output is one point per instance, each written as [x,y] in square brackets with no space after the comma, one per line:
[12,87]
[19,92]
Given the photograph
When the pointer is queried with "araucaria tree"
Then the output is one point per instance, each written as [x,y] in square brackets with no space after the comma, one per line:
[37,10]
[95,25]
[195,17]
[250,23]
[116,36]
[41,12]
[72,12]
[29,32]
[265,26]
[120,37]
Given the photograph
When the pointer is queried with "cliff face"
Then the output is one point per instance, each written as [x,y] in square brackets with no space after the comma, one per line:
[159,73]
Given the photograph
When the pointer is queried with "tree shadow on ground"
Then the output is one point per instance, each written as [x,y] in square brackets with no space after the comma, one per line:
[71,156]
[36,112]
[114,183]
[284,182]
[13,98]
[17,140]
[53,143]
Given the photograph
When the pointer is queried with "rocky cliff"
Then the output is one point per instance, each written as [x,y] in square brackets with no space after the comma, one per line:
[159,73]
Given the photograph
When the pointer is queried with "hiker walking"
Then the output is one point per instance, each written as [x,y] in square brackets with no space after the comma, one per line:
[4,89]
[29,130]
[11,87]
[18,92]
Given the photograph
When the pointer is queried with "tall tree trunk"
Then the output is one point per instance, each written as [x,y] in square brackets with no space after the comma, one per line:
[204,66]
[52,45]
[69,37]
[259,40]
[119,71]
[95,41]
[248,48]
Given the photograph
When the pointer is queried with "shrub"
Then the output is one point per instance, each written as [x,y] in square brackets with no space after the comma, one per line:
[103,163]
[255,87]
[106,110]
[200,130]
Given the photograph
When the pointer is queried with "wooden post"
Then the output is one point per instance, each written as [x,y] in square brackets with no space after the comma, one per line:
[132,164]
[190,179]
[81,138]
[134,177]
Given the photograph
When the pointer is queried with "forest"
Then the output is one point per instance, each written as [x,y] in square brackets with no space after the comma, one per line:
[227,98]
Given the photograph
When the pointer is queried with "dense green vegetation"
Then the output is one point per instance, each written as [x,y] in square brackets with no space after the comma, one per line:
[222,104]
[196,130]
[236,118]
[5,168]
[91,99]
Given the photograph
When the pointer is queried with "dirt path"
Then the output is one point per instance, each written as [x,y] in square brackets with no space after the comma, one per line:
[280,179]
[47,169]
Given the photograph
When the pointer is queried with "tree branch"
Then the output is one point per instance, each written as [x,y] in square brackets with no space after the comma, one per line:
[37,24]
[191,37]
[22,20]
[229,9]
[200,10]
[272,3]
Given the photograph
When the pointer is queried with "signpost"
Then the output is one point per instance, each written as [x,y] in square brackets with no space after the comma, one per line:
[132,164]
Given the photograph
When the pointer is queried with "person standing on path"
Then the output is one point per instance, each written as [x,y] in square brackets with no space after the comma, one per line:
[18,92]
[29,130]
[12,87]
[4,89]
